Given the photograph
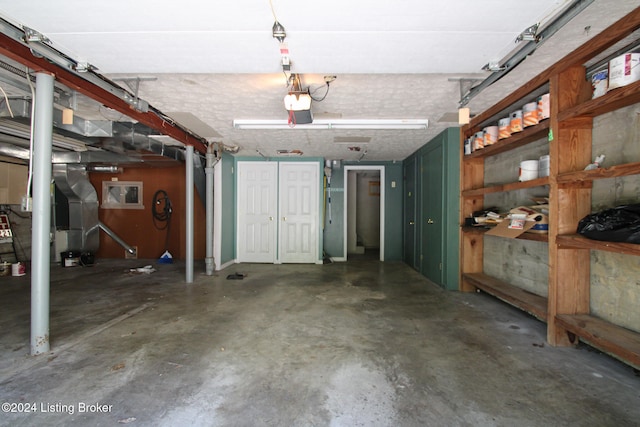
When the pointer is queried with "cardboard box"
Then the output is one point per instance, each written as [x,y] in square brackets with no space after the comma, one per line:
[624,69]
[13,183]
[533,220]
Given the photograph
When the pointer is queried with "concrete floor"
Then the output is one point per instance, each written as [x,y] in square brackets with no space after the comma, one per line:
[361,343]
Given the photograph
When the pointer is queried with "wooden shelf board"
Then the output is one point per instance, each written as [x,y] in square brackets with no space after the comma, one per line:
[529,134]
[575,241]
[536,237]
[615,340]
[526,301]
[612,100]
[600,173]
[512,186]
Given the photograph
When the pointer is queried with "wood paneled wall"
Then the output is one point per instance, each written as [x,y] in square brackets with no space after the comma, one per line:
[136,226]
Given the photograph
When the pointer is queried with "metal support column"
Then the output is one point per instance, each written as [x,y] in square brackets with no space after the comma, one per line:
[188,161]
[41,222]
[209,264]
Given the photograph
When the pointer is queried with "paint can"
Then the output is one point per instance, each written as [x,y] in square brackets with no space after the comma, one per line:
[530,114]
[515,124]
[18,269]
[528,170]
[543,107]
[490,135]
[478,141]
[504,128]
[70,258]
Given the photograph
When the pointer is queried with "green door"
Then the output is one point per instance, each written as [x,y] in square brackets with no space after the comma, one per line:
[431,218]
[410,228]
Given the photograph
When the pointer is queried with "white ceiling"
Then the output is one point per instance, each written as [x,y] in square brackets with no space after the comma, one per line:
[212,62]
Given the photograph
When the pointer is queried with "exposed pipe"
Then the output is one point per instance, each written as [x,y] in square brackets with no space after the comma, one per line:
[117,238]
[217,214]
[41,220]
[209,261]
[188,162]
[104,169]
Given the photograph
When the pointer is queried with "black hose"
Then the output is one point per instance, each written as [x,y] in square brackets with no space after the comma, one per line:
[161,212]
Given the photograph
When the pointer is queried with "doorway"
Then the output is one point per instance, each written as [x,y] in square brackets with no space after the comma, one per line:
[364,201]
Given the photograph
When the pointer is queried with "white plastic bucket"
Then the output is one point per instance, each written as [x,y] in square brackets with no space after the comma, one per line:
[18,269]
[528,170]
[543,166]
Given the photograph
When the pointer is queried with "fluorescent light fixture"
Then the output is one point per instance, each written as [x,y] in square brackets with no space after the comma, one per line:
[374,124]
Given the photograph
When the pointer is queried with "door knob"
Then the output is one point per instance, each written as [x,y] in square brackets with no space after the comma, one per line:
[429,221]
[284,218]
[411,222]
[270,218]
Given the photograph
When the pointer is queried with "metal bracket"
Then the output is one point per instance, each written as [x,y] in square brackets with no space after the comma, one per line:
[530,34]
[133,83]
[31,35]
[465,87]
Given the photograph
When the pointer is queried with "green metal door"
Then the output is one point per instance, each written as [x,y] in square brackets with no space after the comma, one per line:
[410,228]
[431,218]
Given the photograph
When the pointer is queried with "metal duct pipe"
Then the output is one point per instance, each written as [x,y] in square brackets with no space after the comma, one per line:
[11,150]
[188,163]
[104,169]
[41,220]
[73,182]
[209,262]
[116,238]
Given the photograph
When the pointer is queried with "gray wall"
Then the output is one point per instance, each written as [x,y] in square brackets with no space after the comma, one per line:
[615,278]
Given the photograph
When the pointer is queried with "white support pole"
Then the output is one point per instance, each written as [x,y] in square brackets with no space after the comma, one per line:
[41,222]
[208,170]
[188,161]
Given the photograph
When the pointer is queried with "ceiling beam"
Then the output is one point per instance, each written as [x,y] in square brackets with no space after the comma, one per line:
[23,54]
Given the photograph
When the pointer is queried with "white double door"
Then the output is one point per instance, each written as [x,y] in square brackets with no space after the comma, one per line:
[278,213]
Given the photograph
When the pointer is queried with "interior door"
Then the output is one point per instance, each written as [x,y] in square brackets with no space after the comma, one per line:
[257,211]
[431,219]
[299,193]
[410,213]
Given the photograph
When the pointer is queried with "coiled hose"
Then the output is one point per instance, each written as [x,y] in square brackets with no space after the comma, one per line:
[161,212]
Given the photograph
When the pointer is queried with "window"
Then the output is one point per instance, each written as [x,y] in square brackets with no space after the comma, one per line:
[122,195]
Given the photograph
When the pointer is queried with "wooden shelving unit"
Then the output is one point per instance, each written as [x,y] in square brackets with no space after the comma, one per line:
[569,131]
[526,301]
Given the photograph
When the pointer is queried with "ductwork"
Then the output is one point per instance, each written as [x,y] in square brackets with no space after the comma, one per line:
[99,142]
[73,182]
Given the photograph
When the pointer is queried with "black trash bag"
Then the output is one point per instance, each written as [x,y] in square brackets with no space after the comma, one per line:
[619,224]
